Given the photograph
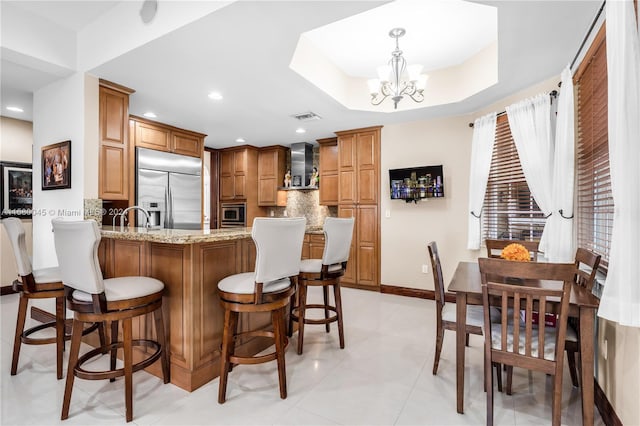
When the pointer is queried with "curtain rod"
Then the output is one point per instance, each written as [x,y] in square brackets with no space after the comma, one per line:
[586,37]
[553,94]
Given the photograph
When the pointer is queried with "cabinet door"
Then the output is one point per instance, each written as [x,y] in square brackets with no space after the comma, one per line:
[226,163]
[347,169]
[329,174]
[240,186]
[269,161]
[367,246]
[240,162]
[113,167]
[227,187]
[186,144]
[305,247]
[267,192]
[153,137]
[349,276]
[367,166]
[316,246]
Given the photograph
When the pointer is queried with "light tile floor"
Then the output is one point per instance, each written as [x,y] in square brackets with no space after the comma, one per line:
[383,376]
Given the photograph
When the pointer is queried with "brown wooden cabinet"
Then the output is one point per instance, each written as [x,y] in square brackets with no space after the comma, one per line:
[161,137]
[328,169]
[114,156]
[237,172]
[271,170]
[313,246]
[358,196]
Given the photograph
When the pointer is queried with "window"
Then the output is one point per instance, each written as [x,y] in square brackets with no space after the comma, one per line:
[509,211]
[594,210]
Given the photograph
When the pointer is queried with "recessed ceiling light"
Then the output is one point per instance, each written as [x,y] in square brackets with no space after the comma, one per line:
[150,114]
[300,130]
[240,140]
[216,96]
[15,109]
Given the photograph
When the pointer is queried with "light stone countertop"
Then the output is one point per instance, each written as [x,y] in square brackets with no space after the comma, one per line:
[182,236]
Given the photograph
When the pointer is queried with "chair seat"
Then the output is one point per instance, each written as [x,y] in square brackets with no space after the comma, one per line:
[549,339]
[245,284]
[47,275]
[315,265]
[475,314]
[124,288]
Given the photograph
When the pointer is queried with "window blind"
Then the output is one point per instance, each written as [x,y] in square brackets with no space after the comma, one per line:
[509,210]
[594,212]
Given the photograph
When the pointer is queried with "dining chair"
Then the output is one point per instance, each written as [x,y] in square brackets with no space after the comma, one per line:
[325,272]
[515,340]
[268,289]
[114,300]
[446,312]
[494,247]
[586,268]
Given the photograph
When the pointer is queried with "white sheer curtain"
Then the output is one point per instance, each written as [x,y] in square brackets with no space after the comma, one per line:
[484,135]
[560,245]
[530,122]
[620,301]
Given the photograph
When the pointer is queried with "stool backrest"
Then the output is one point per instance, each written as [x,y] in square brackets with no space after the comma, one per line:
[337,240]
[278,247]
[77,250]
[16,234]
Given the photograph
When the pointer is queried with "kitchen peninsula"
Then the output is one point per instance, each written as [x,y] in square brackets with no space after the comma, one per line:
[190,263]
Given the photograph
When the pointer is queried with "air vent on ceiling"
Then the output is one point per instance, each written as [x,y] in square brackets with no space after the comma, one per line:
[307,116]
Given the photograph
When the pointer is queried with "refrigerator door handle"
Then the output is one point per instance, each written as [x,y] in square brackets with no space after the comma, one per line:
[167,208]
[170,209]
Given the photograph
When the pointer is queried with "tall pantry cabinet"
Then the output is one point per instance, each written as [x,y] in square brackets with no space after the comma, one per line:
[358,196]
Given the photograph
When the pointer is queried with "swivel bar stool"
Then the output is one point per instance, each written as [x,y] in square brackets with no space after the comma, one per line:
[325,272]
[34,284]
[93,298]
[268,289]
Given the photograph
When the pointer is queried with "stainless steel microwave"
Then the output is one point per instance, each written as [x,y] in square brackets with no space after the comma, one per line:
[233,215]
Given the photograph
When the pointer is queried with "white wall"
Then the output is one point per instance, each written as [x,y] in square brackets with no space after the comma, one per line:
[410,227]
[64,110]
[16,143]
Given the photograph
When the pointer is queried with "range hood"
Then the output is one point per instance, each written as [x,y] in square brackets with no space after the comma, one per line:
[301,164]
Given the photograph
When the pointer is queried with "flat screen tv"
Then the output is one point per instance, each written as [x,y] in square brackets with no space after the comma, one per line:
[416,183]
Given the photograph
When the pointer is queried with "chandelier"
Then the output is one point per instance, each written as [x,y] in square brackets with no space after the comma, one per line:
[397,79]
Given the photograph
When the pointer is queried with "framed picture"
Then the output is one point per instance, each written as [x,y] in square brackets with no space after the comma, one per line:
[17,189]
[56,166]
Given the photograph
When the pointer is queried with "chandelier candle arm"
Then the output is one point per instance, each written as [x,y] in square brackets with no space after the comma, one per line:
[393,80]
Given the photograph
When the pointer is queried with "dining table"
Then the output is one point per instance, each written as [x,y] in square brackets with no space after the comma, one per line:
[466,283]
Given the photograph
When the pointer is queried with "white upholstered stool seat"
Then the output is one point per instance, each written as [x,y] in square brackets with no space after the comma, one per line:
[268,289]
[325,273]
[93,298]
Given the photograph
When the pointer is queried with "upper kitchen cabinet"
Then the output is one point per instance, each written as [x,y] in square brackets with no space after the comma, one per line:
[328,169]
[113,169]
[238,173]
[359,166]
[161,137]
[271,171]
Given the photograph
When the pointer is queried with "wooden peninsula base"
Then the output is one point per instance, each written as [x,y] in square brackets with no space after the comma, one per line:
[190,263]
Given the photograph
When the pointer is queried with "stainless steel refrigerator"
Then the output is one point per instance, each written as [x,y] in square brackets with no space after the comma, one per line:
[169,186]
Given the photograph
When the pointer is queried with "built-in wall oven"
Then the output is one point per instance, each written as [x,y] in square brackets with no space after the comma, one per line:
[233,215]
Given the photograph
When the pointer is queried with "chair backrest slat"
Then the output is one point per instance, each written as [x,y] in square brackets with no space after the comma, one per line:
[438,280]
[494,247]
[590,260]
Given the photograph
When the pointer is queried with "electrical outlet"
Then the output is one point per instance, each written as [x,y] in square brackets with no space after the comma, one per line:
[425,269]
[271,213]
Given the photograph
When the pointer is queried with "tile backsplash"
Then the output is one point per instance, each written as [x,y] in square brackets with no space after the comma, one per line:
[305,203]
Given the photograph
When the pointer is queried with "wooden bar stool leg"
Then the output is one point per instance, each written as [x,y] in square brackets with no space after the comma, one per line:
[114,349]
[278,331]
[225,353]
[76,337]
[302,307]
[325,294]
[128,367]
[337,295]
[17,341]
[60,320]
[162,339]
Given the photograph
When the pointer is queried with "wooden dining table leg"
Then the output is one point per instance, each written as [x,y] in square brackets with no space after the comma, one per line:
[461,320]
[586,360]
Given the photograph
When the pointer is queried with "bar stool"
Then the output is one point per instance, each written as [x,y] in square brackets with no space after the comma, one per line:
[35,284]
[267,289]
[93,298]
[325,272]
